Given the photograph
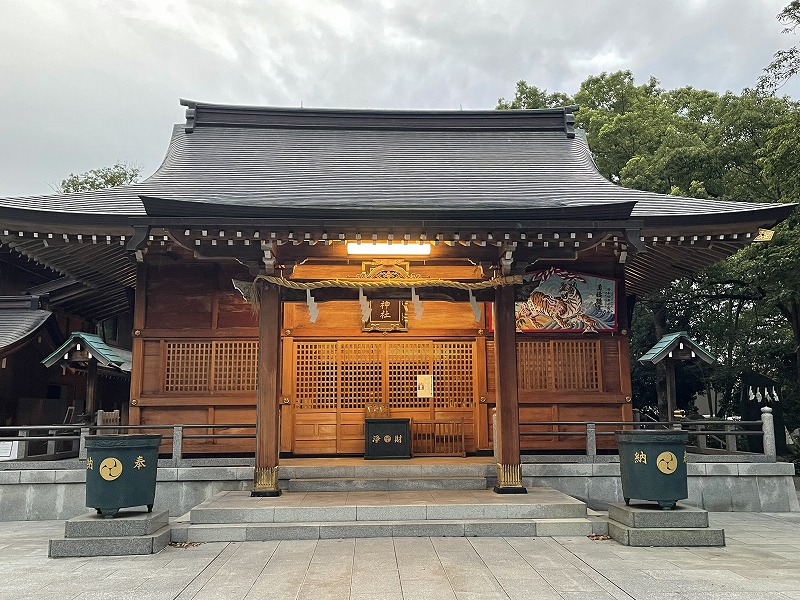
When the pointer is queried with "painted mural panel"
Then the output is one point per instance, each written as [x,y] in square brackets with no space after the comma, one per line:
[560,300]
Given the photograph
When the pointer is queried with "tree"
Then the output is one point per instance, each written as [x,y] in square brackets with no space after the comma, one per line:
[530,96]
[119,174]
[698,143]
[785,63]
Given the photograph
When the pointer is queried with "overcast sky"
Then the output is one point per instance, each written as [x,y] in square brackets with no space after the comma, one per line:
[85,84]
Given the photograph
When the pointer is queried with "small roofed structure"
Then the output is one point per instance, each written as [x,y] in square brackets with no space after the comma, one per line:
[89,351]
[673,347]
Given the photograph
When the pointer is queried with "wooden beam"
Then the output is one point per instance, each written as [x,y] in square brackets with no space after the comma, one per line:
[265,476]
[509,470]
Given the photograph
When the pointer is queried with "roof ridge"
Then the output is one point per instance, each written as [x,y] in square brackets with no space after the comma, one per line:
[201,114]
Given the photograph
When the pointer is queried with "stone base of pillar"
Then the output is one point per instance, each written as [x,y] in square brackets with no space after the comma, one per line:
[509,480]
[265,483]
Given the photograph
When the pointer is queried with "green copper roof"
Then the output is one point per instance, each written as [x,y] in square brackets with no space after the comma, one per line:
[107,356]
[680,346]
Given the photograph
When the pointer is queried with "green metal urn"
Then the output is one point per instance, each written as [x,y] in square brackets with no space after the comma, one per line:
[652,465]
[121,472]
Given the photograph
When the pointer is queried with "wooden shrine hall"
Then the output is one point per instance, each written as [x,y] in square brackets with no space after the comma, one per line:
[304,269]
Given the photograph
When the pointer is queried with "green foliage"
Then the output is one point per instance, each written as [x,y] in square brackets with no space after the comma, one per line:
[530,96]
[785,63]
[698,143]
[96,179]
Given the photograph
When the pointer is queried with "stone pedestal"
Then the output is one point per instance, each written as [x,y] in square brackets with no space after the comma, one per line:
[130,533]
[648,525]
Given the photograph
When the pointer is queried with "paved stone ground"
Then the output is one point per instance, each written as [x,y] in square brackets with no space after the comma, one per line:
[761,561]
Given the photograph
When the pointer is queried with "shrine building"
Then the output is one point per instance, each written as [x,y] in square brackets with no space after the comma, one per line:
[305,269]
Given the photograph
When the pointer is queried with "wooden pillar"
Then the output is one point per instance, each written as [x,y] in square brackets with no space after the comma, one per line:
[91,388]
[265,476]
[139,322]
[672,404]
[509,470]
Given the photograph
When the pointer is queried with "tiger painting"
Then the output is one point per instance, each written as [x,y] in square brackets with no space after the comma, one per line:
[566,309]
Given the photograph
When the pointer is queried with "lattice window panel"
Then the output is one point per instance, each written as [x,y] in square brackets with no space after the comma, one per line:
[187,366]
[533,365]
[360,373]
[552,365]
[405,361]
[576,365]
[235,366]
[453,368]
[315,375]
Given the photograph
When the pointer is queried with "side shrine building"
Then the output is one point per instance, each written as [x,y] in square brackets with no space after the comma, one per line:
[306,269]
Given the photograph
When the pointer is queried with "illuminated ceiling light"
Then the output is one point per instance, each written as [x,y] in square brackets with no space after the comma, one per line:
[409,249]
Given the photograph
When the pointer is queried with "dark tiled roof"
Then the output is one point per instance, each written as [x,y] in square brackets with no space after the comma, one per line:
[269,162]
[17,324]
[380,167]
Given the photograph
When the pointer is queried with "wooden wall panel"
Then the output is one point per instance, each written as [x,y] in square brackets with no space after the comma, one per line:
[233,311]
[180,295]
[343,319]
[610,354]
[152,376]
[164,415]
[315,433]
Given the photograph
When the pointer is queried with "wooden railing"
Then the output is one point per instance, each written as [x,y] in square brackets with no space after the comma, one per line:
[437,438]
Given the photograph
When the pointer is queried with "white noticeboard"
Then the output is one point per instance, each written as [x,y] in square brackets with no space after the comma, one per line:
[8,450]
[424,386]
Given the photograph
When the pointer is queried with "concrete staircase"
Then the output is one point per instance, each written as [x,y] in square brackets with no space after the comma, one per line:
[386,499]
[390,475]
[235,516]
[648,525]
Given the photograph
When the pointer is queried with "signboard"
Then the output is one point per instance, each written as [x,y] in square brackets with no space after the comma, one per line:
[387,438]
[386,315]
[424,386]
[558,300]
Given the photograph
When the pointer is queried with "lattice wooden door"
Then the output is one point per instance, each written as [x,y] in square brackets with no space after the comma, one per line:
[334,381]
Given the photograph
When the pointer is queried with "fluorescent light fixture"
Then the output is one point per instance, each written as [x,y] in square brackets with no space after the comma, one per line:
[366,248]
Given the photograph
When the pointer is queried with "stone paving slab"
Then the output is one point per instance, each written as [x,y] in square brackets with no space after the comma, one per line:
[760,562]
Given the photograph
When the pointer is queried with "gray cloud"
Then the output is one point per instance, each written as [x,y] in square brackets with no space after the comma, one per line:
[87,83]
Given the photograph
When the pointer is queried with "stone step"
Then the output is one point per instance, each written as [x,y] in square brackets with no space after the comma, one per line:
[374,484]
[313,530]
[384,469]
[665,536]
[650,515]
[110,546]
[215,513]
[126,524]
